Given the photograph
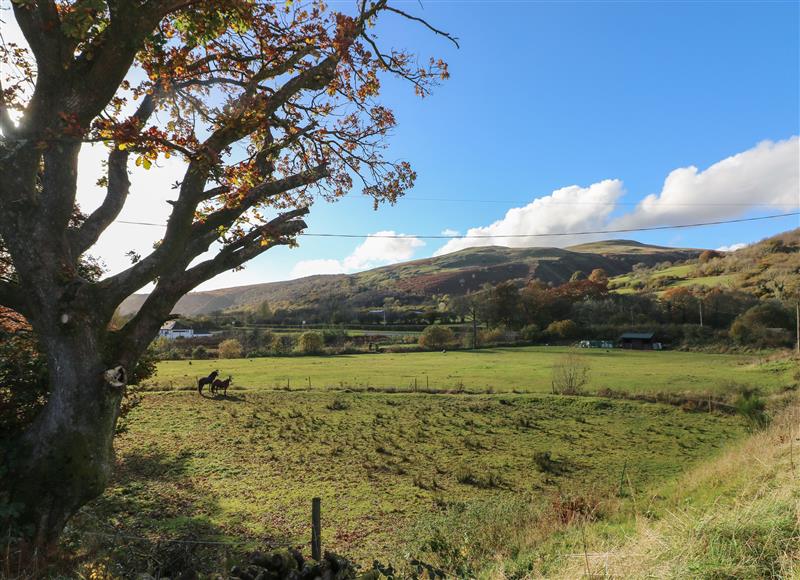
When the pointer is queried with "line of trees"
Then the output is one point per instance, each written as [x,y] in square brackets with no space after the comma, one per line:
[584,308]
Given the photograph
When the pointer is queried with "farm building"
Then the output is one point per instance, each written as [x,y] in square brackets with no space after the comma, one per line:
[639,341]
[172,329]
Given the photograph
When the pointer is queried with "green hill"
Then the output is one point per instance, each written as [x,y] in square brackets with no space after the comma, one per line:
[414,283]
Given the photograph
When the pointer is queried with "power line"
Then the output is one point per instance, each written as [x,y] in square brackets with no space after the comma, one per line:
[590,203]
[544,235]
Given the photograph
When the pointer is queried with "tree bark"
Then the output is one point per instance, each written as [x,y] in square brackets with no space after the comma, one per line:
[64,458]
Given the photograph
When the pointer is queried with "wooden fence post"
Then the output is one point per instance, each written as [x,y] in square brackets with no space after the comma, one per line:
[622,478]
[316,529]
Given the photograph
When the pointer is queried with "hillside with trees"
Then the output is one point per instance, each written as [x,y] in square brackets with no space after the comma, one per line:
[742,300]
[767,269]
[338,298]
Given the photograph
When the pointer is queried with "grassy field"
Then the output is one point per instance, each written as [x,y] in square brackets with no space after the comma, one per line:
[682,273]
[385,465]
[461,479]
[525,369]
[709,281]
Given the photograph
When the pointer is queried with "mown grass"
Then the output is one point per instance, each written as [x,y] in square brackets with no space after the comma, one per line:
[391,469]
[526,369]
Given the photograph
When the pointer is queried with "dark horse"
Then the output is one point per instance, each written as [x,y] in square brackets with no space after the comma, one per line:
[209,380]
[222,386]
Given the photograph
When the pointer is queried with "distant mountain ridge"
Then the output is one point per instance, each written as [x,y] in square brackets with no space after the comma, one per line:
[416,281]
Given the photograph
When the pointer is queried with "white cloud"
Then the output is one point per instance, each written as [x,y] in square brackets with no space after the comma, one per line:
[732,247]
[570,208]
[384,248]
[379,250]
[450,232]
[769,173]
[766,177]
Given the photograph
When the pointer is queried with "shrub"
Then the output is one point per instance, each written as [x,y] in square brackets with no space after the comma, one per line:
[486,480]
[762,325]
[282,344]
[230,348]
[200,353]
[23,381]
[752,407]
[577,275]
[499,335]
[435,337]
[544,462]
[708,255]
[334,336]
[258,353]
[563,329]
[598,275]
[570,374]
[531,333]
[339,404]
[310,342]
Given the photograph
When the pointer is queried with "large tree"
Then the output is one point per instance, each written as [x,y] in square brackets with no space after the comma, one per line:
[271,106]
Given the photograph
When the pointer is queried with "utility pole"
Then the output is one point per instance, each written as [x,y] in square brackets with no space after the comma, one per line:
[700,302]
[474,313]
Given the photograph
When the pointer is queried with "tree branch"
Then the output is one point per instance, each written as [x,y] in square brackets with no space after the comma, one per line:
[114,50]
[139,331]
[259,194]
[41,26]
[116,195]
[196,239]
[425,23]
[117,189]
[279,231]
[196,176]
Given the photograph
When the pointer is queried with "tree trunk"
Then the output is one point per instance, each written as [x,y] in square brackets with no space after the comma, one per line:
[64,458]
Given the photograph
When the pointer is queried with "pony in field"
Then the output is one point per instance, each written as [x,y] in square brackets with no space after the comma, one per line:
[221,386]
[209,380]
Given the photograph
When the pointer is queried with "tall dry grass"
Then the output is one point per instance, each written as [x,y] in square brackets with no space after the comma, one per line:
[737,516]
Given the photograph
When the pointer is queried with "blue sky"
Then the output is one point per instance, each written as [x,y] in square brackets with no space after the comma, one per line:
[611,98]
[547,95]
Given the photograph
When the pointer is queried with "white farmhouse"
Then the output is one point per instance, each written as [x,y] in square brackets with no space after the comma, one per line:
[172,329]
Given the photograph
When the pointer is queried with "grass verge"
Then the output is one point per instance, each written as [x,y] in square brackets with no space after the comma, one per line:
[734,516]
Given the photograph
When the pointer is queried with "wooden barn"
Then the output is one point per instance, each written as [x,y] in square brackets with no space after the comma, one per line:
[639,341]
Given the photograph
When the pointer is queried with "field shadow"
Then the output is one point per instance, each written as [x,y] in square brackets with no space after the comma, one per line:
[155,519]
[231,398]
